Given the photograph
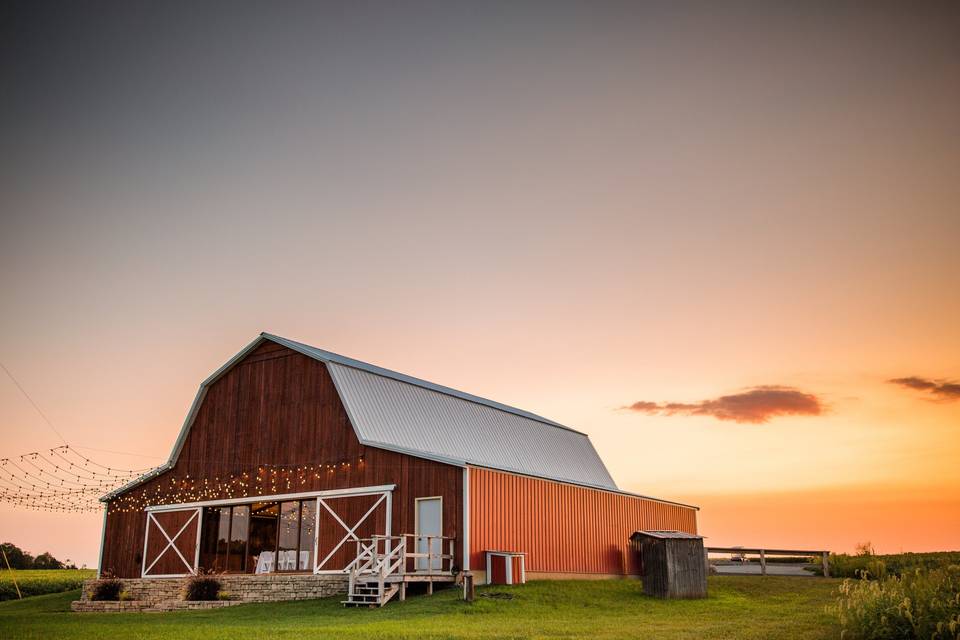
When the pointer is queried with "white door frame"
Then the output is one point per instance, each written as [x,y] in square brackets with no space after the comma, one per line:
[416,530]
[191,570]
[385,492]
[351,531]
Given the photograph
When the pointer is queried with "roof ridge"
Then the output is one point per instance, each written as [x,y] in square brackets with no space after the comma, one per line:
[322,354]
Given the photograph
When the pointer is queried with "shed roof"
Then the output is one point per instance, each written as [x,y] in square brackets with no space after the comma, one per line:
[671,535]
[394,411]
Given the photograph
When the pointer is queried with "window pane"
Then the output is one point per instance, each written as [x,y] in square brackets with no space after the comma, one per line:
[238,539]
[223,539]
[213,539]
[264,518]
[308,523]
[288,537]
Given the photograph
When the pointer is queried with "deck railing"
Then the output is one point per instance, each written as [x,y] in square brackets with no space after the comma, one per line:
[382,557]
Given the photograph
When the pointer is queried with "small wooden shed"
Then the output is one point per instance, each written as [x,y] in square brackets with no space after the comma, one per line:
[672,564]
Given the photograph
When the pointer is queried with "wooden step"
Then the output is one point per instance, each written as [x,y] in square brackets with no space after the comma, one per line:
[370,599]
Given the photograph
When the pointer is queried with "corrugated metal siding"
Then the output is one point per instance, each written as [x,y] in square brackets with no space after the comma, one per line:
[396,415]
[563,528]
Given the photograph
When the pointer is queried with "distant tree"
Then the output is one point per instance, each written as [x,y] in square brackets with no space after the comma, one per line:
[865,549]
[46,561]
[17,557]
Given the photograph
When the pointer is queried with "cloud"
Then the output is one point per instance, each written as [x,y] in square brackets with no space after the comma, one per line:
[755,405]
[940,389]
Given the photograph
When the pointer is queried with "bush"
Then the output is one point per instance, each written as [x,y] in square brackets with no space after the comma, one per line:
[202,588]
[919,604]
[106,589]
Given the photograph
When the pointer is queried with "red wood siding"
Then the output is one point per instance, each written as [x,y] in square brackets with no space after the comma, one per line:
[278,407]
[563,528]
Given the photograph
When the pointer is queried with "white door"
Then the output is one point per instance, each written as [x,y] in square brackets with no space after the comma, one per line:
[429,523]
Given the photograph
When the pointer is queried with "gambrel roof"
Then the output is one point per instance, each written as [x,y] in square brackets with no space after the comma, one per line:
[393,411]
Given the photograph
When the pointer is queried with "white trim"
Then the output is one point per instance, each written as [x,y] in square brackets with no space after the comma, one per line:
[103,538]
[329,493]
[316,533]
[196,554]
[389,524]
[146,537]
[466,519]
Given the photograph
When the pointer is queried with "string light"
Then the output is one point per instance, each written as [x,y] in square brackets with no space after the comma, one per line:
[267,480]
[63,480]
[59,479]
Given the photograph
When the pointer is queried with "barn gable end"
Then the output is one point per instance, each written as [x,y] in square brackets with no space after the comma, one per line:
[273,408]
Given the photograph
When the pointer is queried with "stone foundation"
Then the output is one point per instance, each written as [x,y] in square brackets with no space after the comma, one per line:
[166,594]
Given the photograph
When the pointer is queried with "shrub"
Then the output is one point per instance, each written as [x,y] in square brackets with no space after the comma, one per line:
[202,588]
[106,589]
[919,604]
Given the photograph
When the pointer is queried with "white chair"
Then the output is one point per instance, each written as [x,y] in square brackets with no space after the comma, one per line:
[265,562]
[304,560]
[288,561]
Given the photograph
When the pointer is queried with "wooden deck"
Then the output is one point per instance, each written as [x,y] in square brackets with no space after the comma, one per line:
[385,565]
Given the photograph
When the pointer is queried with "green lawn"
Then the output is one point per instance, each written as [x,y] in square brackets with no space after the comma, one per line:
[738,607]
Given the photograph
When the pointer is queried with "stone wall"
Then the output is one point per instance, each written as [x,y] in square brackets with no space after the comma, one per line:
[166,594]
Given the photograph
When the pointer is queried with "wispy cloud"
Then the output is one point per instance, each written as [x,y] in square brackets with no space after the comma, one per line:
[755,405]
[939,389]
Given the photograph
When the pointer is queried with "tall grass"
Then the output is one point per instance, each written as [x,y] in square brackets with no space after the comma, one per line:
[880,566]
[923,604]
[35,582]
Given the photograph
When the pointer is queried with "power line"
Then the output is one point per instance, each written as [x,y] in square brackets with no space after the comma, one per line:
[120,453]
[30,400]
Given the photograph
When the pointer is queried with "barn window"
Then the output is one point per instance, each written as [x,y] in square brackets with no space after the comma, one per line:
[239,530]
[261,537]
[308,517]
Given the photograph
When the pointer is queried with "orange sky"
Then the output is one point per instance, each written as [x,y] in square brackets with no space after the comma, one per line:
[684,206]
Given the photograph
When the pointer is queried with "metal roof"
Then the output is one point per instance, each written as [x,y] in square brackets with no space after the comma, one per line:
[421,420]
[394,411]
[328,356]
[676,535]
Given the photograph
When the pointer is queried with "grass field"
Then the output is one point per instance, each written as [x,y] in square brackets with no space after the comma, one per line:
[39,581]
[738,607]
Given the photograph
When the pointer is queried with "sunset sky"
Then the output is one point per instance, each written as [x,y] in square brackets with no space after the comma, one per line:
[724,243]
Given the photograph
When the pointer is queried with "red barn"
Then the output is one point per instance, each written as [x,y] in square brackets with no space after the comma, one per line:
[297,460]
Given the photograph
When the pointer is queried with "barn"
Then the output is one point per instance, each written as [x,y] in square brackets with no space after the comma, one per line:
[295,460]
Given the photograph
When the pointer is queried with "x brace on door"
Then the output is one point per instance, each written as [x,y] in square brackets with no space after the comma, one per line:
[170,541]
[350,530]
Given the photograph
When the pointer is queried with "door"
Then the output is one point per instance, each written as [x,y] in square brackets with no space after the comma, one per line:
[346,522]
[429,523]
[171,543]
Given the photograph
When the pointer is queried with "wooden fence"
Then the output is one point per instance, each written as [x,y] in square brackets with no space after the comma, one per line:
[824,555]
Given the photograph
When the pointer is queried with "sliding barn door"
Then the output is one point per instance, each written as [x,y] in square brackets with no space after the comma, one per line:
[171,544]
[344,520]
